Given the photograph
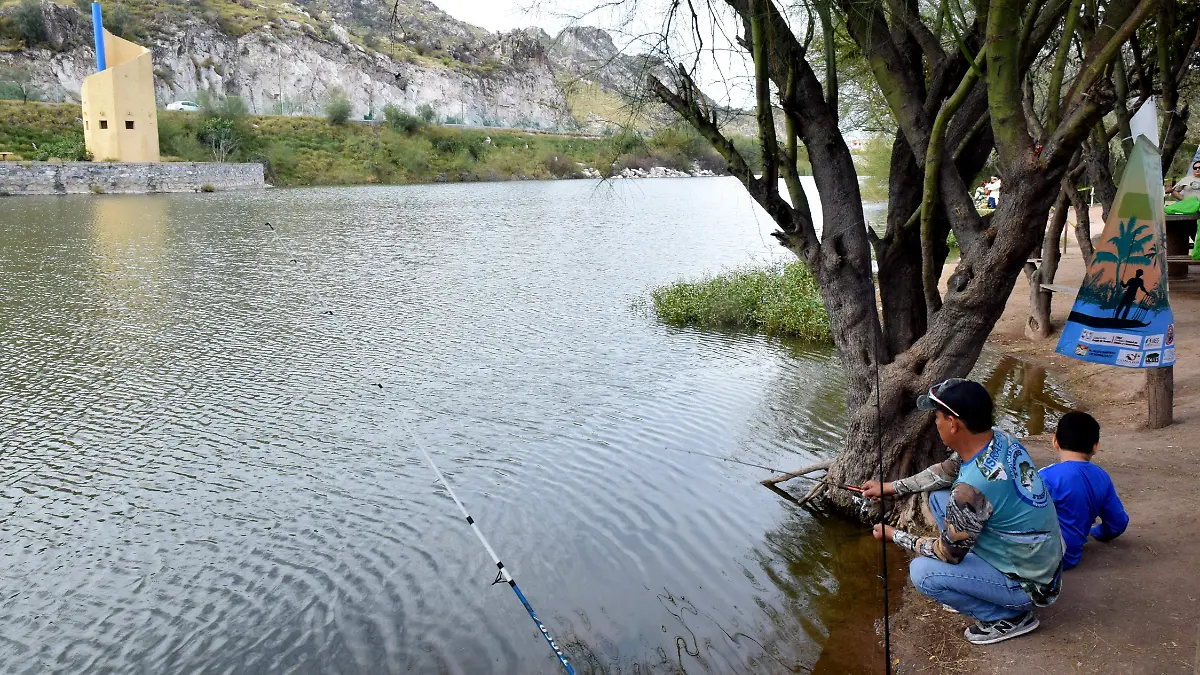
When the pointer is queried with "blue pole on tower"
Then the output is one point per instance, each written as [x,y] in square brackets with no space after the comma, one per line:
[98,33]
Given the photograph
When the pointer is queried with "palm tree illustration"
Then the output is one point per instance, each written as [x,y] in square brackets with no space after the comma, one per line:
[1130,247]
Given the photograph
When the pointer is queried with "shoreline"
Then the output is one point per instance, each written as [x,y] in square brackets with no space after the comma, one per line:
[1133,604]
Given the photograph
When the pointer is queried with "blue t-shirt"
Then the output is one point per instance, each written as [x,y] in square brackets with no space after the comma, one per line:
[1082,492]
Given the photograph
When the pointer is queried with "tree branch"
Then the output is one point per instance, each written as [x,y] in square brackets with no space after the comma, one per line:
[933,162]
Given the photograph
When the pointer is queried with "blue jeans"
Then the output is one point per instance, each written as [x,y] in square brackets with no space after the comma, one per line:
[973,587]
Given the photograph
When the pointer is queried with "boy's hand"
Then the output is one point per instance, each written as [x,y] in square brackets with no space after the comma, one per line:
[875,491]
[881,531]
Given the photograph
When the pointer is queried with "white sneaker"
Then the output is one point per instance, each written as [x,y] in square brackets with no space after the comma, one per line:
[990,632]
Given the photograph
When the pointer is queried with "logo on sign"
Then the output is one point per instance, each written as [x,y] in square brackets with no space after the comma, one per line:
[1152,358]
[1081,350]
[1129,358]
[1170,335]
[1126,340]
[1168,356]
[1154,341]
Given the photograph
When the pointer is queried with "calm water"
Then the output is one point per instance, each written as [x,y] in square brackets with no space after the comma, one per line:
[199,475]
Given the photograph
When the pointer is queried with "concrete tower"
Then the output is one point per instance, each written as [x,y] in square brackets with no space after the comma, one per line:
[120,120]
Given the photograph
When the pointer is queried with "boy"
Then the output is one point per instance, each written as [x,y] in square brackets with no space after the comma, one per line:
[1081,490]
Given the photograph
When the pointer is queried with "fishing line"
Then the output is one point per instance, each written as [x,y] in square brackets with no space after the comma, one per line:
[503,575]
[887,628]
[851,488]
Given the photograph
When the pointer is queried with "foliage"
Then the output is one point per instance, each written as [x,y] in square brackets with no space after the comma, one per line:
[229,108]
[399,120]
[337,106]
[874,164]
[120,22]
[311,151]
[68,148]
[221,137]
[16,83]
[31,23]
[426,113]
[780,299]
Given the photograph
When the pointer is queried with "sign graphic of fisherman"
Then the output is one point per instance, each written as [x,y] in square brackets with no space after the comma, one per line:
[1122,316]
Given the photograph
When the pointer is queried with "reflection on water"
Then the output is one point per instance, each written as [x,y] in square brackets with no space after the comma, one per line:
[196,475]
[1027,402]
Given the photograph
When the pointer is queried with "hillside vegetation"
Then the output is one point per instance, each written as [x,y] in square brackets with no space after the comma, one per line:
[404,149]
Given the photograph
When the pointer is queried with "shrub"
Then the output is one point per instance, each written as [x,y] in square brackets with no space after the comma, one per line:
[560,166]
[207,188]
[629,143]
[400,120]
[426,113]
[781,299]
[69,149]
[218,106]
[120,22]
[337,106]
[31,23]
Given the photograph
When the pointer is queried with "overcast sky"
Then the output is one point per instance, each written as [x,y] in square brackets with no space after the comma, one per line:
[500,15]
[723,74]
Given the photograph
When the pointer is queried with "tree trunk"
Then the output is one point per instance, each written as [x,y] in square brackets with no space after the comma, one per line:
[1038,326]
[1083,225]
[975,298]
[1176,132]
[1160,396]
[1099,171]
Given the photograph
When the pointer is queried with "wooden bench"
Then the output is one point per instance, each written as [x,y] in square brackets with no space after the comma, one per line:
[4,156]
[1061,288]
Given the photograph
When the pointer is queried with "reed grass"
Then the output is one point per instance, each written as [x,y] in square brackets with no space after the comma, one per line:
[780,299]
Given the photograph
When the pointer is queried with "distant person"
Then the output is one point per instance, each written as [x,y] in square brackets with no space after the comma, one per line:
[1082,491]
[1189,186]
[993,189]
[1132,286]
[999,551]
[981,194]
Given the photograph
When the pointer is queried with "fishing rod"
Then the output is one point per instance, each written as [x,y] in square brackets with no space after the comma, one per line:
[503,575]
[851,488]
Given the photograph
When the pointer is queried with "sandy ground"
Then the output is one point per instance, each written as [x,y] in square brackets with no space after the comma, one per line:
[1132,605]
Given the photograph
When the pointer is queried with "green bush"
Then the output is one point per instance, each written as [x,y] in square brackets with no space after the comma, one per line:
[426,113]
[120,22]
[400,120]
[337,106]
[31,23]
[69,149]
[219,106]
[781,299]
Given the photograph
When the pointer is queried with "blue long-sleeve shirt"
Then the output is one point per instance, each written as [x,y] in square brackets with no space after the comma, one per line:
[1083,492]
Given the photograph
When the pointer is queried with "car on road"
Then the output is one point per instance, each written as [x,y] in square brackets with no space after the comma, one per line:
[186,106]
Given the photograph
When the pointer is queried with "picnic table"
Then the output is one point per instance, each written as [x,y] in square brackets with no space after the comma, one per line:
[1179,248]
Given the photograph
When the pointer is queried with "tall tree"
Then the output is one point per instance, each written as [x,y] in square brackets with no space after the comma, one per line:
[954,80]
[1159,60]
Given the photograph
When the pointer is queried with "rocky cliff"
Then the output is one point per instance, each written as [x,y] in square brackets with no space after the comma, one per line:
[286,58]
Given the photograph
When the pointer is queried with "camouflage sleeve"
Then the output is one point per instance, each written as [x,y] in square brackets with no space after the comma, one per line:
[966,513]
[936,477]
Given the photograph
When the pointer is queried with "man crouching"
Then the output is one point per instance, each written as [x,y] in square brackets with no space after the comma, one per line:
[999,553]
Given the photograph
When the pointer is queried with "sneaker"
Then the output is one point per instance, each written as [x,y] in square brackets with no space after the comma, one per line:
[948,608]
[990,632]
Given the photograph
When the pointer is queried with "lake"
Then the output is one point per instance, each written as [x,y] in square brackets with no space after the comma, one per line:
[200,473]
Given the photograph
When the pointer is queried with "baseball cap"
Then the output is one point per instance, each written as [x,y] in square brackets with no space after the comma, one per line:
[964,399]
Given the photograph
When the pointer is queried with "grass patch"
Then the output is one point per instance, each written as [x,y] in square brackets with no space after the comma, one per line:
[312,151]
[781,299]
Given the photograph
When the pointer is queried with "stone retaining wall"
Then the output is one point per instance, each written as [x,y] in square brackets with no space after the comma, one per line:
[50,178]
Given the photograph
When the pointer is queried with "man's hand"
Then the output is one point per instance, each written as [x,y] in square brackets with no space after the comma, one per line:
[875,491]
[881,531]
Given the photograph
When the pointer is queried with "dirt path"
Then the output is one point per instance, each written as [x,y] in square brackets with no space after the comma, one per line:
[1132,605]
